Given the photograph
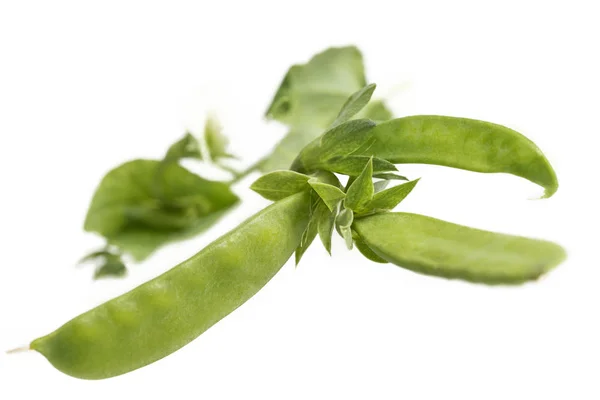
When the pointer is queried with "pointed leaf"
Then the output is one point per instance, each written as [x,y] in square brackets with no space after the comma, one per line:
[345,138]
[361,190]
[309,234]
[389,198]
[307,238]
[280,184]
[330,195]
[325,228]
[327,177]
[434,247]
[356,102]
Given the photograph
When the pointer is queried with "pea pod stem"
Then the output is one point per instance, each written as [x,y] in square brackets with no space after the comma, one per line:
[22,349]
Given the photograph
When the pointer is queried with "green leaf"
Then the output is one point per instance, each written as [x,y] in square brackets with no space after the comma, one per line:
[343,223]
[280,184]
[314,92]
[345,139]
[325,227]
[354,165]
[356,102]
[143,204]
[434,247]
[310,233]
[186,147]
[112,268]
[330,194]
[462,143]
[100,254]
[309,99]
[216,142]
[361,190]
[326,177]
[388,199]
[365,250]
[390,176]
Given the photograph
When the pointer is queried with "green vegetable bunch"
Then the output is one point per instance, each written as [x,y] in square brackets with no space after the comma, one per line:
[164,314]
[142,205]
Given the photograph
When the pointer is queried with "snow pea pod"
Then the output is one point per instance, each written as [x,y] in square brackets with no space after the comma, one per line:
[463,143]
[164,314]
[434,247]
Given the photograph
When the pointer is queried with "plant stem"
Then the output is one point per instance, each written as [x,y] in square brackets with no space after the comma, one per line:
[238,176]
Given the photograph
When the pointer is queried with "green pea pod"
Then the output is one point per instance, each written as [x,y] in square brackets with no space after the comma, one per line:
[462,143]
[449,141]
[434,247]
[164,314]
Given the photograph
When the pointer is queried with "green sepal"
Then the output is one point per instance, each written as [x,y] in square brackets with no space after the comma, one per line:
[278,185]
[360,192]
[310,233]
[330,194]
[345,139]
[356,102]
[387,199]
[325,227]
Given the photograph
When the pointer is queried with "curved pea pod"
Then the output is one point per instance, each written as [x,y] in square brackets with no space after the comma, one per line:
[433,247]
[164,314]
[462,143]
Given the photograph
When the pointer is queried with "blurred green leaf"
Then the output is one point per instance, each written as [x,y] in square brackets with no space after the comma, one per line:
[143,204]
[186,147]
[216,142]
[311,96]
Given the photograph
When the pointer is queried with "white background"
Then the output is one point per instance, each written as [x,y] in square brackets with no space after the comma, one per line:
[85,86]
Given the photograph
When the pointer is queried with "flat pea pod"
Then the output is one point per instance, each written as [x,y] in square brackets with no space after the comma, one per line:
[463,143]
[434,247]
[164,314]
